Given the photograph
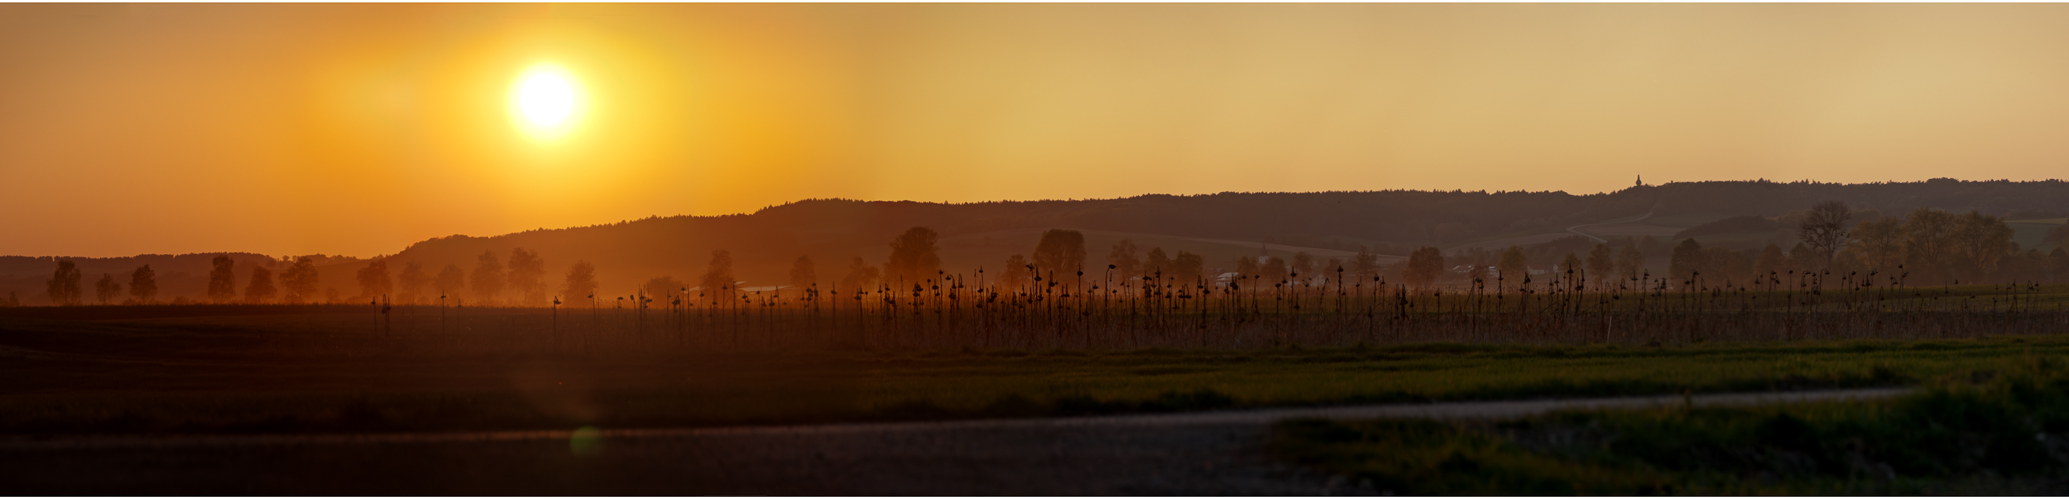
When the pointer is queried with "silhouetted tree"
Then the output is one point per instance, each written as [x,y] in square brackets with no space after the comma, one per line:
[1303,265]
[488,279]
[1571,264]
[260,288]
[63,286]
[1061,251]
[1424,265]
[2057,237]
[913,256]
[1629,262]
[662,286]
[1928,243]
[718,280]
[222,279]
[862,275]
[373,279]
[143,284]
[1246,265]
[1725,267]
[803,273]
[1158,263]
[1980,242]
[413,281]
[450,280]
[1365,266]
[1881,242]
[528,276]
[106,289]
[299,281]
[1273,269]
[1770,262]
[1601,265]
[1823,230]
[1514,267]
[1687,259]
[11,300]
[1122,257]
[1186,268]
[579,285]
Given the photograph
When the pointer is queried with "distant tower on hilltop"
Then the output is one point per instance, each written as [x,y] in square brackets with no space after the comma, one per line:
[1641,181]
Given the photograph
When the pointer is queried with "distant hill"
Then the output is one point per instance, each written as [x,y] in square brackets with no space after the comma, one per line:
[1219,226]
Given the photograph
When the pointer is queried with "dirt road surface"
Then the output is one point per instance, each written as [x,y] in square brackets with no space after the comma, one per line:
[1211,453]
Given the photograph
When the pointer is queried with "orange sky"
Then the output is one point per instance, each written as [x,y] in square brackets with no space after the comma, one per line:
[358,129]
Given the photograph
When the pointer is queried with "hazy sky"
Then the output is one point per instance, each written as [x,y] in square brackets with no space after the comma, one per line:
[357,129]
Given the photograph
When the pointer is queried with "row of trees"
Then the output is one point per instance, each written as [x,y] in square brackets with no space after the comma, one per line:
[64,286]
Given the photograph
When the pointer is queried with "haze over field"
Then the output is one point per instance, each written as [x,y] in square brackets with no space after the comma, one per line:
[361,129]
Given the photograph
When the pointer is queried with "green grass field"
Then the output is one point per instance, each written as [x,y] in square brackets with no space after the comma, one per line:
[318,370]
[2000,428]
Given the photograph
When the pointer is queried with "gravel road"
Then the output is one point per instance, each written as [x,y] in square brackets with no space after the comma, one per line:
[1211,453]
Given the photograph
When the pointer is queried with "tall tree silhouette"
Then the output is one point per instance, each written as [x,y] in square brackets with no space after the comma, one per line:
[63,286]
[143,284]
[260,289]
[1016,274]
[1687,259]
[860,275]
[527,276]
[222,279]
[450,280]
[106,289]
[1629,262]
[1980,243]
[1122,257]
[1514,267]
[1928,243]
[1366,265]
[299,281]
[1186,268]
[1424,265]
[1158,263]
[717,283]
[1061,251]
[1823,231]
[660,287]
[1303,265]
[1881,242]
[488,278]
[1601,265]
[802,273]
[413,281]
[373,280]
[579,284]
[913,256]
[1770,262]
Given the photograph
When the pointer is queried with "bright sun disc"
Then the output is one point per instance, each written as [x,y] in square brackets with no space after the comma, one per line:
[544,101]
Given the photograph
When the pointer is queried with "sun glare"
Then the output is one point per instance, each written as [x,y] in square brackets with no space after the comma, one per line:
[544,101]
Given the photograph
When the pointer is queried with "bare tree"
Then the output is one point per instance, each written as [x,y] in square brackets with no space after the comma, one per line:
[1186,268]
[260,289]
[1688,258]
[1928,244]
[913,256]
[63,287]
[143,284]
[1980,243]
[662,286]
[373,280]
[528,276]
[1158,263]
[580,284]
[488,278]
[299,280]
[1629,262]
[1824,229]
[106,289]
[1303,265]
[222,279]
[1365,265]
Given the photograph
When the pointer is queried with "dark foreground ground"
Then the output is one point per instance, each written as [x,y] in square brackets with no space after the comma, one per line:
[1214,453]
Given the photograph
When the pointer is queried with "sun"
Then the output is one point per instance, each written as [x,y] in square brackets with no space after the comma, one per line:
[545,101]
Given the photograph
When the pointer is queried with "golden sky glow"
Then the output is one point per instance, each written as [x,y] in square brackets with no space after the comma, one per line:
[357,129]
